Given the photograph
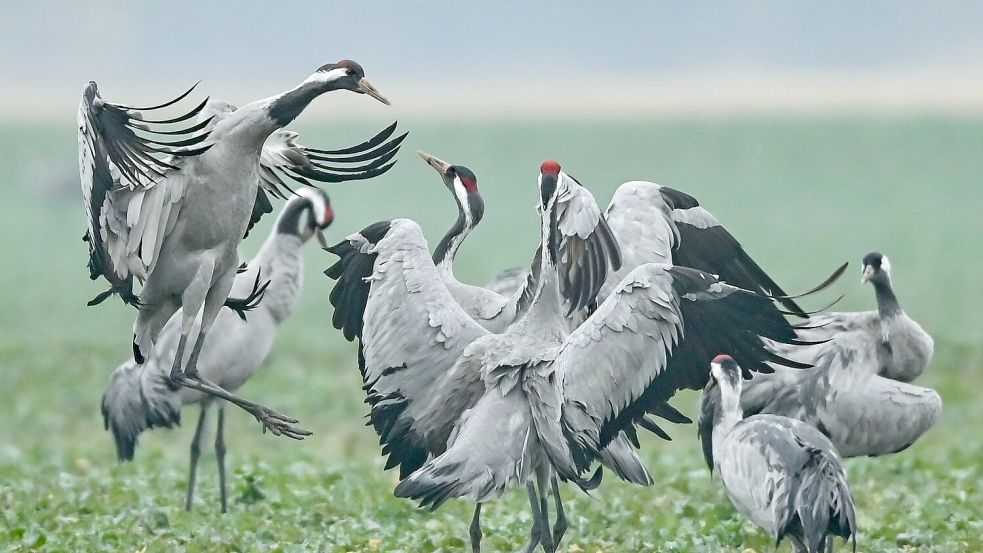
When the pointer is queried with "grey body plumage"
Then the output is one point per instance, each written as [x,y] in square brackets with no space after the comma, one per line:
[782,474]
[140,397]
[568,395]
[903,348]
[857,391]
[171,213]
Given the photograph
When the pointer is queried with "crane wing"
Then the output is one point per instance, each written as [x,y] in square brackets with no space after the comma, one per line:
[654,335]
[130,184]
[282,156]
[283,159]
[706,245]
[640,218]
[588,250]
[411,334]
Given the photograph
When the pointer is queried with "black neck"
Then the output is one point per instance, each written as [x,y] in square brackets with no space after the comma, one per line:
[290,219]
[887,302]
[290,104]
[447,247]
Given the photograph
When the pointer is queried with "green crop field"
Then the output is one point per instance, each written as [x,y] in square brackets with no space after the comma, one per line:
[802,194]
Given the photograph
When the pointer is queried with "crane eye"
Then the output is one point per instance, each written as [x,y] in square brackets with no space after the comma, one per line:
[350,72]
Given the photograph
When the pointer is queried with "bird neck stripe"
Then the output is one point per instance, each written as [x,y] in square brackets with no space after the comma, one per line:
[887,301]
[448,245]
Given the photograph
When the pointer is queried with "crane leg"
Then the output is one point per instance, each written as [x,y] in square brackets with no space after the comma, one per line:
[544,494]
[195,455]
[536,536]
[220,458]
[279,425]
[475,530]
[560,526]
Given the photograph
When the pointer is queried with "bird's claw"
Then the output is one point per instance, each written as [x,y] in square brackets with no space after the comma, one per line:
[280,425]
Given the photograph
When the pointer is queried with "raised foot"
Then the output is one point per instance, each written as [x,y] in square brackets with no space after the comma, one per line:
[279,425]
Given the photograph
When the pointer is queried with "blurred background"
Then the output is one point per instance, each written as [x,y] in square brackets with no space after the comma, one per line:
[815,131]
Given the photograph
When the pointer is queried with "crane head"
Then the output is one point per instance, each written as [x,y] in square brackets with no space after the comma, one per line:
[875,267]
[724,371]
[463,184]
[348,75]
[549,174]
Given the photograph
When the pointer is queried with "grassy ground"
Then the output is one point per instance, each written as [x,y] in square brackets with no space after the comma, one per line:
[803,195]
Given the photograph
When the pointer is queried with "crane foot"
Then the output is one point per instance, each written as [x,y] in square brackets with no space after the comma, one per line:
[277,424]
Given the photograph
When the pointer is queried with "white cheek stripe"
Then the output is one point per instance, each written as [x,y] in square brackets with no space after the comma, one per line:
[318,203]
[462,197]
[328,76]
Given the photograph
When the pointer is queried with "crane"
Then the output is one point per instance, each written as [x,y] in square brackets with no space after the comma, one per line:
[140,397]
[171,213]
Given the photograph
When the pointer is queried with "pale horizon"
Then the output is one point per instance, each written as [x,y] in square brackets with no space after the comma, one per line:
[547,59]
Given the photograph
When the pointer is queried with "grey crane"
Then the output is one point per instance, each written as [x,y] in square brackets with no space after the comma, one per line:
[351,297]
[511,408]
[495,312]
[140,397]
[857,391]
[782,474]
[862,412]
[490,309]
[171,213]
[903,347]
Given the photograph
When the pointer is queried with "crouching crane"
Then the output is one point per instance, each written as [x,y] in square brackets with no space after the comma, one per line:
[141,397]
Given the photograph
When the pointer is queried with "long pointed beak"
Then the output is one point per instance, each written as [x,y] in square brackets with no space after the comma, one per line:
[440,165]
[711,383]
[321,239]
[365,87]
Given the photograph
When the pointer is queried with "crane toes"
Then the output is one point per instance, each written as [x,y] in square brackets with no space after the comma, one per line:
[280,425]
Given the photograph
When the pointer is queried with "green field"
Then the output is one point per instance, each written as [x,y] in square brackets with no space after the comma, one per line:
[802,194]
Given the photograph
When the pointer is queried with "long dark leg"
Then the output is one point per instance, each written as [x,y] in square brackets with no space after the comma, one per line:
[560,526]
[176,374]
[279,425]
[195,455]
[475,530]
[271,420]
[535,537]
[220,458]
[542,480]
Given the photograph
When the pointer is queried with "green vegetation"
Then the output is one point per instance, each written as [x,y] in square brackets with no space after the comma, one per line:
[803,195]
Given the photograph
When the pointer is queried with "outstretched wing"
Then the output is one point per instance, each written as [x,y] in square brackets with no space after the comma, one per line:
[282,156]
[706,245]
[410,329]
[130,183]
[587,249]
[283,159]
[654,335]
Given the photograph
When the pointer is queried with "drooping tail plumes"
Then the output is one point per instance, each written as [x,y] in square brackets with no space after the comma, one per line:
[823,502]
[136,399]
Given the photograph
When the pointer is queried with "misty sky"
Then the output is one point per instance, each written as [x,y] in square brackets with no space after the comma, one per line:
[446,47]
